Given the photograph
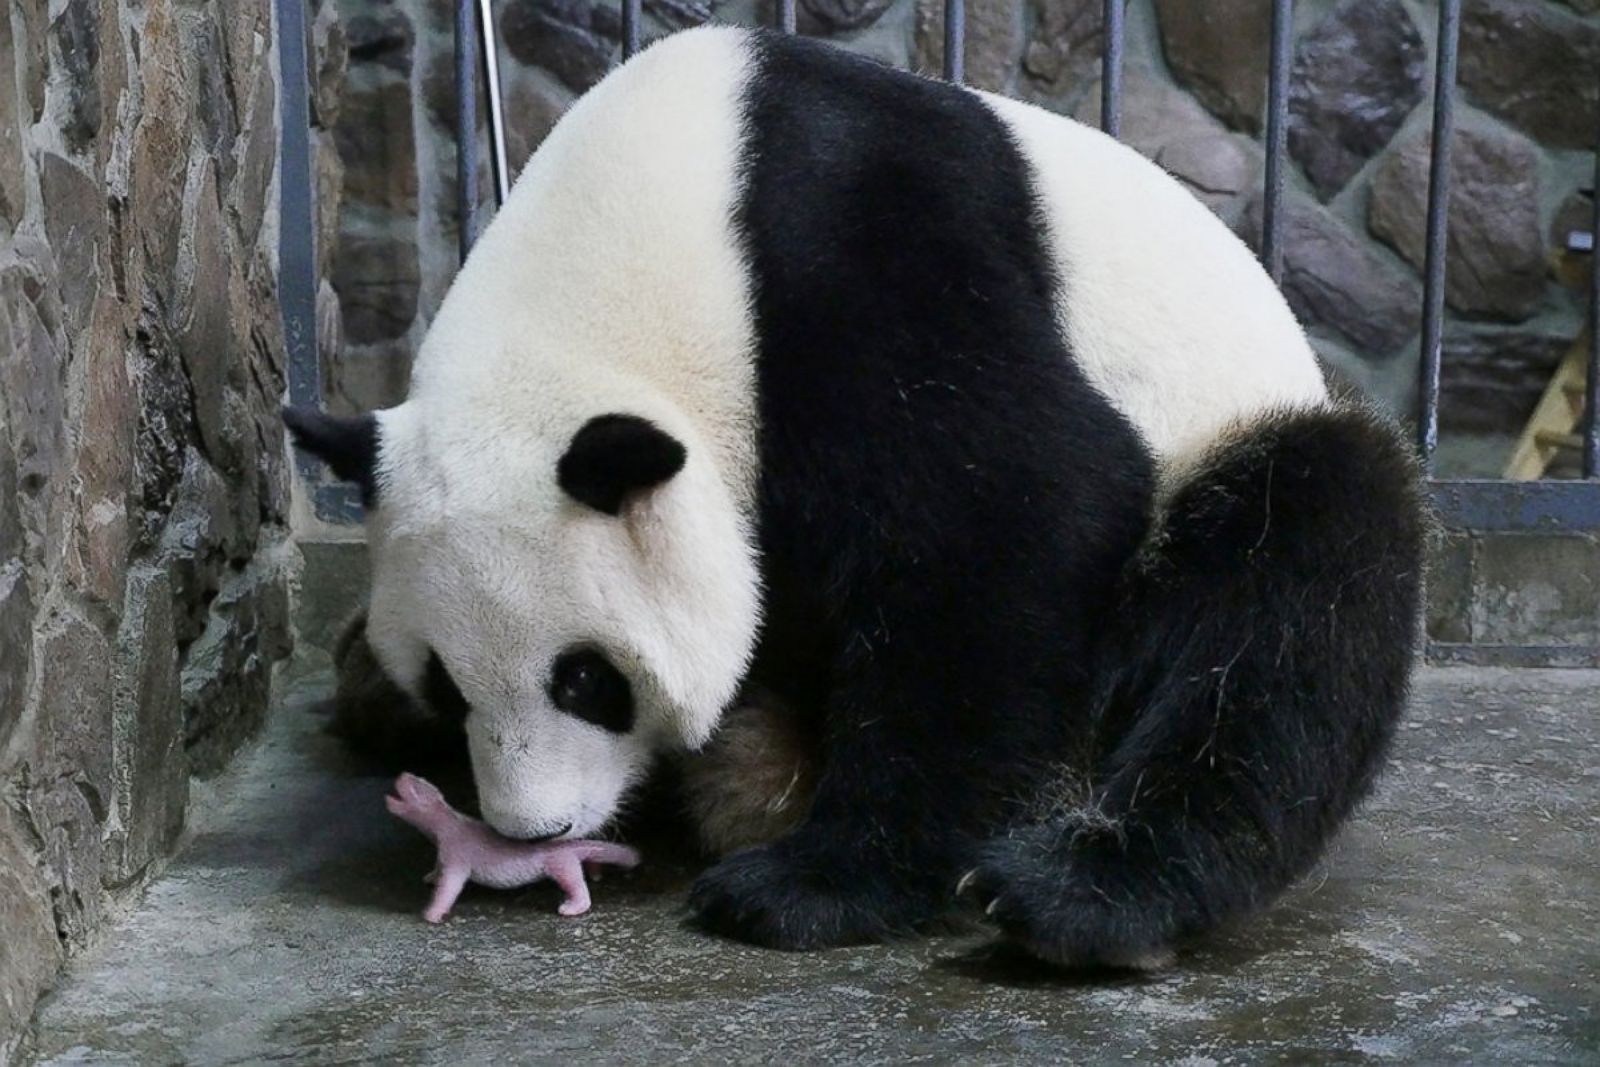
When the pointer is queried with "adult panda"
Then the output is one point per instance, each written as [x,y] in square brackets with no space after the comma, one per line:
[957,427]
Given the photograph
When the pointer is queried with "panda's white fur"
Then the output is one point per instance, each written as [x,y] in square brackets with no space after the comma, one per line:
[629,273]
[575,303]
[1166,310]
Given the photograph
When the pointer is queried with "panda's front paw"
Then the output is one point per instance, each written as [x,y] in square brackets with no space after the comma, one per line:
[783,896]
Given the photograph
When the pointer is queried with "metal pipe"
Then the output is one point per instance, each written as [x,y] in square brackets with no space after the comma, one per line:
[630,29]
[466,127]
[1444,91]
[1591,389]
[1277,137]
[297,250]
[955,40]
[786,19]
[1111,69]
[497,123]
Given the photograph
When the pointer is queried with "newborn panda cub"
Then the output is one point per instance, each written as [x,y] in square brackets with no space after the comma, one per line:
[470,851]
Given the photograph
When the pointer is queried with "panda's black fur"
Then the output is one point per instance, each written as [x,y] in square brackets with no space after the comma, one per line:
[1116,702]
[942,494]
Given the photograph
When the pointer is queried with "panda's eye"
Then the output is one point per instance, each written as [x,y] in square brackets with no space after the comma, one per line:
[584,684]
[441,692]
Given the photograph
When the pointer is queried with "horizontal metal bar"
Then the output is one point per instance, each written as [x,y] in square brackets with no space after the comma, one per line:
[1450,654]
[1499,506]
[1579,241]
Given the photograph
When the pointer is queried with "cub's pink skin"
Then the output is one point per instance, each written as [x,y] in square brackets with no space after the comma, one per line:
[470,850]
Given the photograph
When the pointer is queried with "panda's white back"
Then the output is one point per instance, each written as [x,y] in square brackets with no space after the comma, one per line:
[615,267]
[1168,313]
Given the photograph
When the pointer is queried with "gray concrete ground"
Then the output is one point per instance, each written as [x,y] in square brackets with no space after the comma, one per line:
[1457,921]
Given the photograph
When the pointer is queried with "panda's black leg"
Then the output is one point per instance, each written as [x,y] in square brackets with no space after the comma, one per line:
[915,758]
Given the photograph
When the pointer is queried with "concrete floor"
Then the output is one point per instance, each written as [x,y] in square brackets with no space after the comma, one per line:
[1458,920]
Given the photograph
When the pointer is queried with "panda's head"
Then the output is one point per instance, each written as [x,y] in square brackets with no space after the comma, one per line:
[577,589]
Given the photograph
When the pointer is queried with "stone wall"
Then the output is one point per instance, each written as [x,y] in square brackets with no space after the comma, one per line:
[144,571]
[1195,100]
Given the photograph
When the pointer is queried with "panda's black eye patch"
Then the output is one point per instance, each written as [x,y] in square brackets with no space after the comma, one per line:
[583,683]
[441,693]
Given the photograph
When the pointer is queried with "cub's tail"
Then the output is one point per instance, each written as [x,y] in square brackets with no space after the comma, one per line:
[1246,694]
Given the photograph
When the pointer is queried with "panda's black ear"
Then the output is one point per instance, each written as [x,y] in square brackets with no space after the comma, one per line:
[348,444]
[615,455]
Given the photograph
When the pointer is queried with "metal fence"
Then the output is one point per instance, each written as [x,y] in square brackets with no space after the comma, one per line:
[1482,505]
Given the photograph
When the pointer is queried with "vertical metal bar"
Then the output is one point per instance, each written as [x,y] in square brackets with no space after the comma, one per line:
[1111,69]
[630,28]
[1277,134]
[466,126]
[297,252]
[1444,93]
[497,123]
[1591,390]
[786,20]
[955,40]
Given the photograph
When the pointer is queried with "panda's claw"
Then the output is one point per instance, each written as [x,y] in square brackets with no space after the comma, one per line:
[992,907]
[966,881]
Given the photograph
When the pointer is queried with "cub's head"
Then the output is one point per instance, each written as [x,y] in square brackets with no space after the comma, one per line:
[578,590]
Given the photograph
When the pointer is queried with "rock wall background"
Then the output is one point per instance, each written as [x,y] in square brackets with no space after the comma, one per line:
[143,564]
[1195,100]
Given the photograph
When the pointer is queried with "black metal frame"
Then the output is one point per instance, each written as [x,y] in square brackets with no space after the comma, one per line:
[1477,505]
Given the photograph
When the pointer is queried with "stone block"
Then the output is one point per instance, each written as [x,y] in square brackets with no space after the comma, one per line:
[16,644]
[377,143]
[1065,45]
[1537,589]
[227,671]
[1533,65]
[150,771]
[575,40]
[1496,265]
[76,35]
[32,951]
[377,277]
[1218,50]
[1356,77]
[1449,589]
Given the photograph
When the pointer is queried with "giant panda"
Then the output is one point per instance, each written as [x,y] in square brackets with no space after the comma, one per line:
[958,428]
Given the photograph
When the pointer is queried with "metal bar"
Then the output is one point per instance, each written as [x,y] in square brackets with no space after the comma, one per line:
[1591,399]
[630,28]
[1277,135]
[497,122]
[1444,94]
[297,251]
[466,126]
[786,20]
[1544,505]
[955,40]
[1483,655]
[1111,69]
